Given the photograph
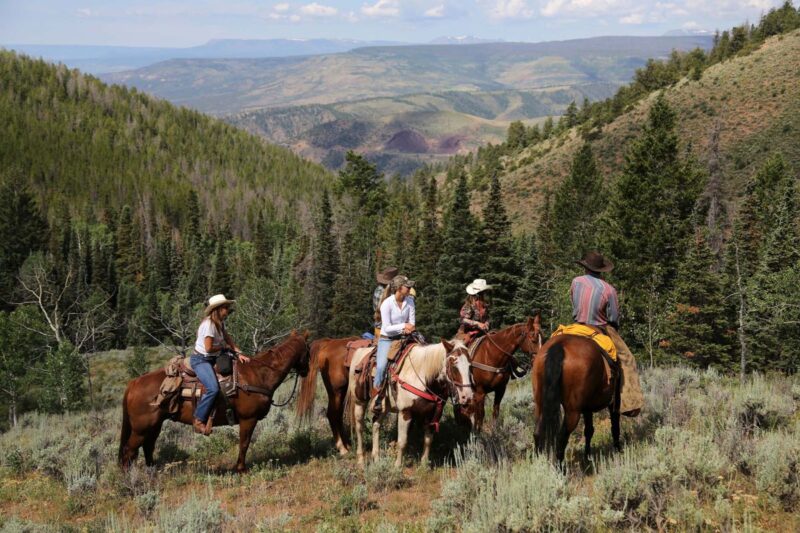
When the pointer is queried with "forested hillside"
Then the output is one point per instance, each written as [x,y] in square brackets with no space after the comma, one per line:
[688,180]
[86,147]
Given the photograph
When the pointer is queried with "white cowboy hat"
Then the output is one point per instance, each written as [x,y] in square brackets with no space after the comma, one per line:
[479,285]
[215,301]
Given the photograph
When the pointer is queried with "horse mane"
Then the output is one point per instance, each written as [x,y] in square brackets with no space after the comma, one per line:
[427,362]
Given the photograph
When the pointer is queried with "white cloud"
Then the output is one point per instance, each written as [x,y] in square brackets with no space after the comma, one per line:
[86,12]
[295,18]
[435,12]
[281,8]
[510,9]
[382,8]
[318,10]
[633,18]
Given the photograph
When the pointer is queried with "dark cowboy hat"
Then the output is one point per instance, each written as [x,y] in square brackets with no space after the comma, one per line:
[386,277]
[595,262]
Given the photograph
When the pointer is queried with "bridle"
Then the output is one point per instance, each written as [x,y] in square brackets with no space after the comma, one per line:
[526,333]
[251,388]
[452,385]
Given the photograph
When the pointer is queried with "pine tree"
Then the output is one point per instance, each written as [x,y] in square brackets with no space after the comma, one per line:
[428,249]
[698,321]
[23,230]
[516,137]
[459,262]
[649,217]
[577,204]
[499,267]
[533,292]
[128,259]
[220,280]
[774,289]
[324,271]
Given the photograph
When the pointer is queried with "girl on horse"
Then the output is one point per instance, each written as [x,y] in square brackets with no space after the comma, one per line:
[398,317]
[212,338]
[474,314]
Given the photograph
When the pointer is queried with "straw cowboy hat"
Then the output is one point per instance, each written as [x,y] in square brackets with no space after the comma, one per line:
[215,301]
[595,262]
[479,285]
[385,277]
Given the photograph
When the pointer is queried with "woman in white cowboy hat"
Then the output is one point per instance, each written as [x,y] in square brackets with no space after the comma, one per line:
[474,314]
[211,340]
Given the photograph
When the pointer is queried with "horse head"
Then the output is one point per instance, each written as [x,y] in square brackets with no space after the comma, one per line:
[532,339]
[457,372]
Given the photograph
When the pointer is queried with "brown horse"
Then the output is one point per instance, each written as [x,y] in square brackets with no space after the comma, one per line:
[141,422]
[492,363]
[327,357]
[569,371]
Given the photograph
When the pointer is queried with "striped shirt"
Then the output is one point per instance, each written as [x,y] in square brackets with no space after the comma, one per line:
[594,301]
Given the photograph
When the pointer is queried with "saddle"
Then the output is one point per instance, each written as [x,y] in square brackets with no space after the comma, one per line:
[365,371]
[181,382]
[611,363]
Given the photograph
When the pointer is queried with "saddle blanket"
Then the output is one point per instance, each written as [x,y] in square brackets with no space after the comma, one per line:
[604,341]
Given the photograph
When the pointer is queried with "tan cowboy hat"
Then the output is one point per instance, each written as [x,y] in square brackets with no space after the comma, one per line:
[479,285]
[595,262]
[215,301]
[385,277]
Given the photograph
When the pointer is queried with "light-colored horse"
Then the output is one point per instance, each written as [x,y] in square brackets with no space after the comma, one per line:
[438,369]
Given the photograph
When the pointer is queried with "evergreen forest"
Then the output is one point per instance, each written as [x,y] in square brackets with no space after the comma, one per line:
[121,214]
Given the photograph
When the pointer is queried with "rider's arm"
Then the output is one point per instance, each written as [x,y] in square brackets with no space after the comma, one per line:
[612,309]
[412,312]
[465,314]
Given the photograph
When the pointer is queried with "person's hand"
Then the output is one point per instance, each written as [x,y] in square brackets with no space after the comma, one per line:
[485,326]
[243,358]
[409,328]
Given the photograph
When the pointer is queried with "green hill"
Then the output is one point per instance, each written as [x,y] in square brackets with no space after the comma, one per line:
[753,102]
[403,132]
[222,86]
[83,144]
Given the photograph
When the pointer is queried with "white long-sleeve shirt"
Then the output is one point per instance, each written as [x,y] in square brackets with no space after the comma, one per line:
[394,317]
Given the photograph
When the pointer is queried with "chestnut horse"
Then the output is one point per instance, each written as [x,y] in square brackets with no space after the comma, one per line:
[569,371]
[492,363]
[141,422]
[327,357]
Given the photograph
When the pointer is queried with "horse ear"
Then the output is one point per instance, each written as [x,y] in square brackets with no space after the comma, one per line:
[447,345]
[293,333]
[306,334]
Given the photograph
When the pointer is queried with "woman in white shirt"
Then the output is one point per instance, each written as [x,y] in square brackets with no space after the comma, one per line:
[398,317]
[211,339]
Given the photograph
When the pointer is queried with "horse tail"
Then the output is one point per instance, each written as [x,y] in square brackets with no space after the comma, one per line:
[551,397]
[125,433]
[308,387]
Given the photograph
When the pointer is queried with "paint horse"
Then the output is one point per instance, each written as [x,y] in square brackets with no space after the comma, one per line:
[420,386]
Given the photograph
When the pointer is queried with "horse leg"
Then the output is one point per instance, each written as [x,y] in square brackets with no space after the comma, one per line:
[615,429]
[131,450]
[246,428]
[335,417]
[358,415]
[149,444]
[498,397]
[403,425]
[571,419]
[588,431]
[428,441]
[376,435]
[479,398]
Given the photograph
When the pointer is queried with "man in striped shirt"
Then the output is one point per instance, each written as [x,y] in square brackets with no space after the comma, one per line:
[595,303]
[594,300]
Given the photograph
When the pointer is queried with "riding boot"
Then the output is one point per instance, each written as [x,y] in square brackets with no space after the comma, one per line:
[199,427]
[377,396]
[209,425]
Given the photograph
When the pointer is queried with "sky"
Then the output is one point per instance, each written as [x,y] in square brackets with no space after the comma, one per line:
[181,23]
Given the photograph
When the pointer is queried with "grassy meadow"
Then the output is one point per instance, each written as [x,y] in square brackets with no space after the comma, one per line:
[708,453]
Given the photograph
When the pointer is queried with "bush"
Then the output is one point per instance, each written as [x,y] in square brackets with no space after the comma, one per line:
[353,502]
[382,475]
[194,515]
[762,404]
[776,466]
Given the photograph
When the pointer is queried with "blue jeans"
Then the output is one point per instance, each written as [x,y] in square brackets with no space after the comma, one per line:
[382,360]
[204,368]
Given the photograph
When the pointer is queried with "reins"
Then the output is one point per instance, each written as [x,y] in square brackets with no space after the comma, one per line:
[266,392]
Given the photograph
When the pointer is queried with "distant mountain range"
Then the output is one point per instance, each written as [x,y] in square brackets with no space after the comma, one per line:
[224,86]
[104,59]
